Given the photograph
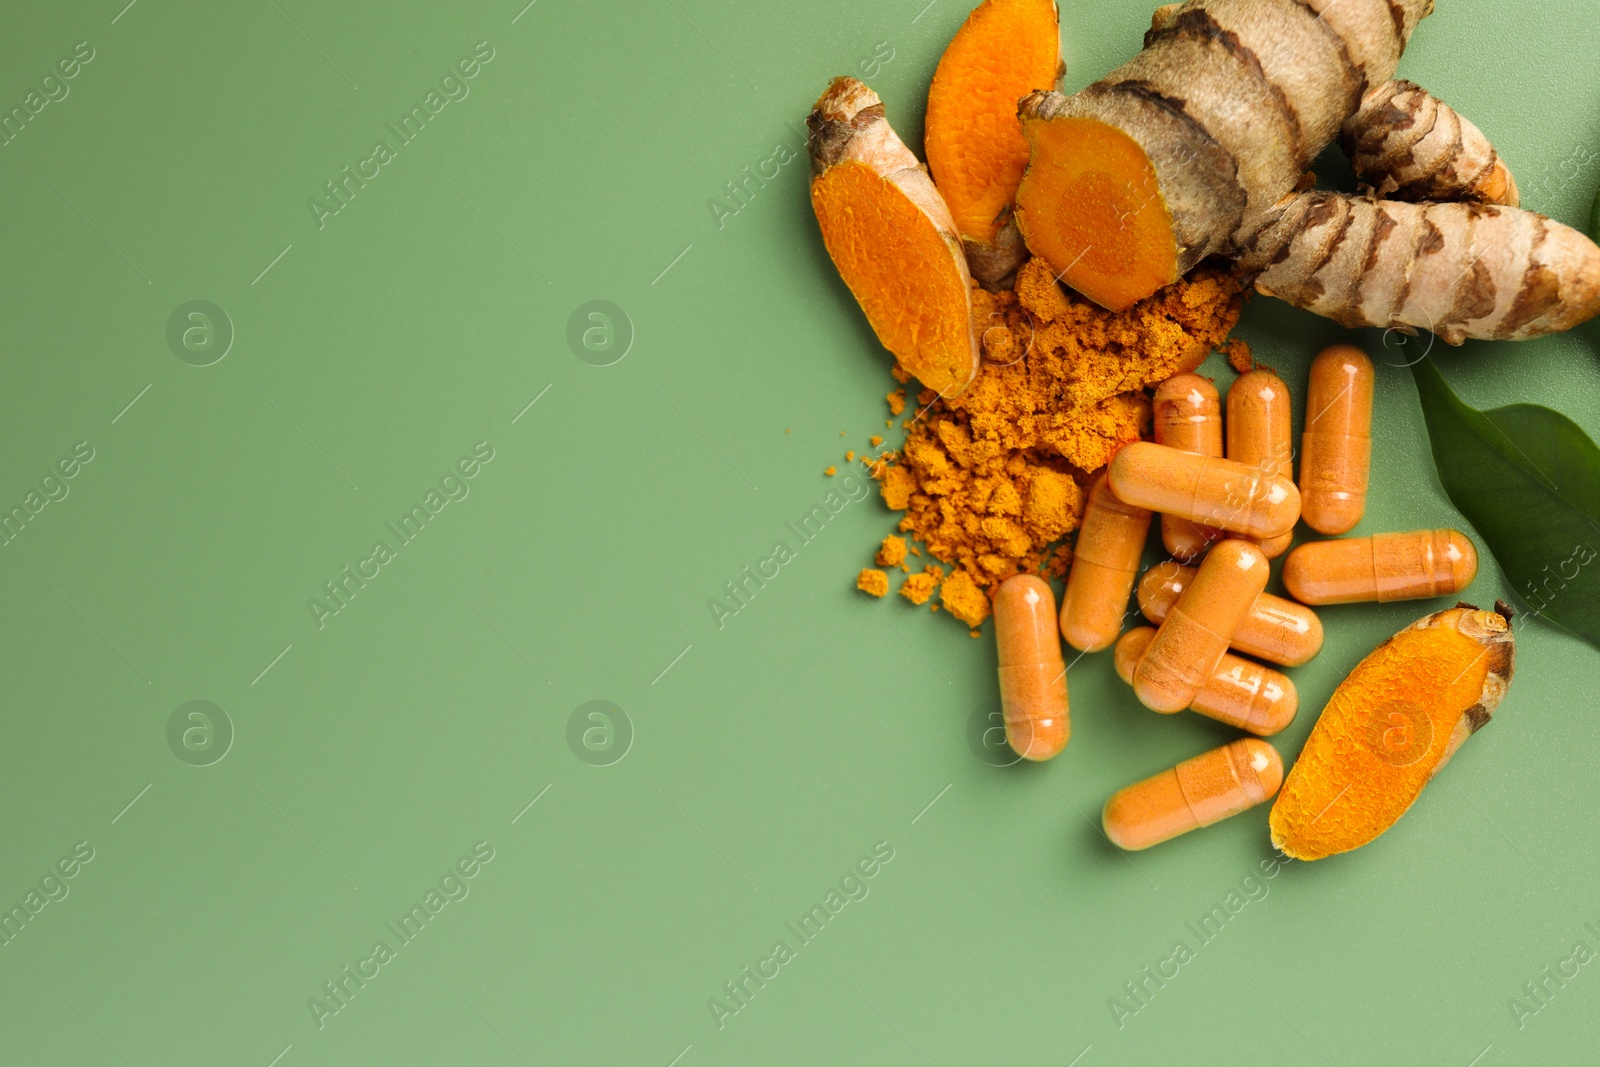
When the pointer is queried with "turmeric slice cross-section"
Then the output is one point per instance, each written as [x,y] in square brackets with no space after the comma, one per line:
[976,151]
[1389,728]
[891,236]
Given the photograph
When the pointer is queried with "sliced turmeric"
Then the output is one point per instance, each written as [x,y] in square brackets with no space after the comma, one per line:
[976,151]
[1390,727]
[1197,147]
[892,238]
[1182,152]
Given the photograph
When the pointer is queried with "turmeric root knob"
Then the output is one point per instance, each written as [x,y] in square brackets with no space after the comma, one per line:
[1389,728]
[1410,145]
[892,238]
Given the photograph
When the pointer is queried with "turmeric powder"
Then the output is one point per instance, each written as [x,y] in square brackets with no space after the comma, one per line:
[872,582]
[917,588]
[991,481]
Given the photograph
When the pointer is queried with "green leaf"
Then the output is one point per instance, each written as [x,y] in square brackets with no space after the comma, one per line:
[1528,479]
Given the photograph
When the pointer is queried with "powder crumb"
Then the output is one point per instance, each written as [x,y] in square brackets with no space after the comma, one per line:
[874,440]
[962,598]
[841,433]
[892,552]
[1239,357]
[991,481]
[872,582]
[831,471]
[849,456]
[919,587]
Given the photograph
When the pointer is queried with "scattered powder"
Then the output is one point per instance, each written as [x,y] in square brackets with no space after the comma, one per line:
[892,552]
[831,471]
[992,481]
[919,587]
[1239,357]
[873,583]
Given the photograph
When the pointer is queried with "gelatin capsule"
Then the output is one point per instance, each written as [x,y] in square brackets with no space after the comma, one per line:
[1195,635]
[1197,792]
[1260,435]
[1217,492]
[1383,567]
[1105,561]
[1276,630]
[1240,693]
[1187,414]
[1336,446]
[1033,676]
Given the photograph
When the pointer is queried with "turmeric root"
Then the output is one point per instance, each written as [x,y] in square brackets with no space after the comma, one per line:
[1185,151]
[1409,145]
[1389,728]
[974,142]
[1459,270]
[892,238]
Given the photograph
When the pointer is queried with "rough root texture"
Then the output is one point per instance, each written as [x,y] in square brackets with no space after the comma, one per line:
[992,480]
[1459,270]
[892,238]
[1409,145]
[1389,727]
[976,151]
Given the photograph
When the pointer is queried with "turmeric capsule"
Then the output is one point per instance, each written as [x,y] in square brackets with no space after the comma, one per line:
[1240,693]
[1336,447]
[1277,630]
[1188,415]
[1383,567]
[1191,642]
[1260,434]
[1105,560]
[1217,492]
[1033,677]
[1197,792]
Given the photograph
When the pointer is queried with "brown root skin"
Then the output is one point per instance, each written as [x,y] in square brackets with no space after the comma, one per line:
[994,263]
[1460,270]
[1409,145]
[892,238]
[1227,104]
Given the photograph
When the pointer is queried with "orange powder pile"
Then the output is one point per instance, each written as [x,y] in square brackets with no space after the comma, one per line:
[992,481]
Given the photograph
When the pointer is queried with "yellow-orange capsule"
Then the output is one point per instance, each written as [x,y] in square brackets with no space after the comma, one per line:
[1105,561]
[1336,446]
[1187,415]
[1217,492]
[1277,630]
[1239,692]
[1033,676]
[1260,434]
[1383,567]
[1191,642]
[1197,792]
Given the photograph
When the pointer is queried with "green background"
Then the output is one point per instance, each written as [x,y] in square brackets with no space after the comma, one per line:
[769,755]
